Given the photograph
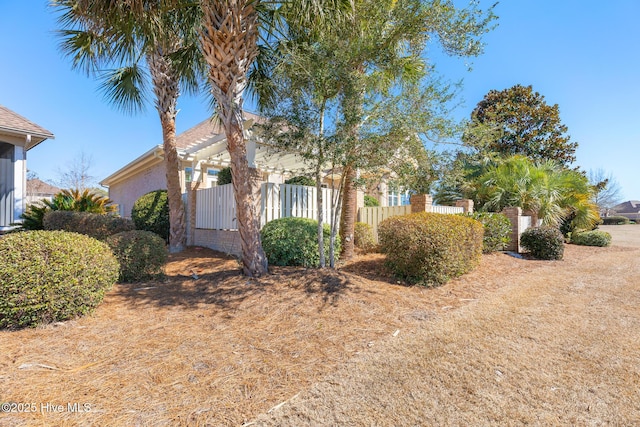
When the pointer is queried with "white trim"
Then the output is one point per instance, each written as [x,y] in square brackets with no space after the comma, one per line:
[19,181]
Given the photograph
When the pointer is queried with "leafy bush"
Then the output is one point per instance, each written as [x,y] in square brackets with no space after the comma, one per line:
[370,201]
[301,180]
[497,230]
[66,200]
[141,254]
[615,220]
[48,276]
[93,225]
[428,248]
[151,213]
[294,241]
[591,238]
[363,237]
[224,176]
[543,242]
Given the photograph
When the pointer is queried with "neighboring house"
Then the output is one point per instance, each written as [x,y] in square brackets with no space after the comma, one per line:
[629,209]
[17,136]
[203,152]
[38,190]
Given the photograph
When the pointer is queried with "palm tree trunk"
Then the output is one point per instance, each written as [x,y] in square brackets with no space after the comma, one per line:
[348,218]
[166,90]
[230,44]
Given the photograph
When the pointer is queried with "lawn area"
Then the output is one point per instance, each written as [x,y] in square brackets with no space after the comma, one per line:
[513,342]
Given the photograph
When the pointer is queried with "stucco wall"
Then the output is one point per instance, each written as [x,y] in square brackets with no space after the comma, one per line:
[125,193]
[227,241]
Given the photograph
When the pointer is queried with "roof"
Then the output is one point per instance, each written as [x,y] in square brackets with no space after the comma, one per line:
[15,124]
[630,206]
[207,129]
[206,142]
[37,186]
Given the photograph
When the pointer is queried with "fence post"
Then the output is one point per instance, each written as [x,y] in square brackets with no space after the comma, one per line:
[514,214]
[192,198]
[465,204]
[421,203]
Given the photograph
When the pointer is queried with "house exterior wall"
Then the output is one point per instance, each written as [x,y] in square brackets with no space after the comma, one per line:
[13,176]
[126,192]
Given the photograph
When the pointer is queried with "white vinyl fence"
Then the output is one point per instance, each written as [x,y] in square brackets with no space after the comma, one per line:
[216,207]
[375,215]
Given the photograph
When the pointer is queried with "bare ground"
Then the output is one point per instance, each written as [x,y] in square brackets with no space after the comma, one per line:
[514,342]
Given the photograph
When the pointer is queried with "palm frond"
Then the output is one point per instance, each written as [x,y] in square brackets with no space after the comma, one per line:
[126,87]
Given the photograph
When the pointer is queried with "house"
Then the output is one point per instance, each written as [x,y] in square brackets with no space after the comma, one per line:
[202,151]
[17,136]
[629,209]
[38,190]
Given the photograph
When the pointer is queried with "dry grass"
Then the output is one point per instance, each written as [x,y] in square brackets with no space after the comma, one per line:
[513,342]
[560,345]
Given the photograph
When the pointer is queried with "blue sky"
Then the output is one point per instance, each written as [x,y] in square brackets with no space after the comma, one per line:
[581,55]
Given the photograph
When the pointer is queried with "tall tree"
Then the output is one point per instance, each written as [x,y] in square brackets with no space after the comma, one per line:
[384,43]
[606,189]
[77,174]
[231,42]
[145,41]
[523,123]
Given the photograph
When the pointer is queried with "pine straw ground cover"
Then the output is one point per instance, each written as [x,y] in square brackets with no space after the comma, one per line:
[220,349]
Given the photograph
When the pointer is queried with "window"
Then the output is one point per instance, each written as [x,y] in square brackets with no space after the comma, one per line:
[188,174]
[212,177]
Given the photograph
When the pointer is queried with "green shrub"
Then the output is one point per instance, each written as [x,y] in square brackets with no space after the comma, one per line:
[615,220]
[497,230]
[224,176]
[543,242]
[66,200]
[301,180]
[591,238]
[429,249]
[294,241]
[48,276]
[141,254]
[370,201]
[363,237]
[151,213]
[93,225]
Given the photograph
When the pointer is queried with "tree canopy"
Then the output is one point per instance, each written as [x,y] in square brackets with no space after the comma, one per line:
[520,122]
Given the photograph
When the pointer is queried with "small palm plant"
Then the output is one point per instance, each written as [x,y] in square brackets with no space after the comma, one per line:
[66,200]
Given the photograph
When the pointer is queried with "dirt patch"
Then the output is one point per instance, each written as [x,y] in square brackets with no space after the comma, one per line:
[207,346]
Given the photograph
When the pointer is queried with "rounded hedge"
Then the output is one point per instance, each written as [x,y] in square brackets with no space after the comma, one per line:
[141,254]
[616,220]
[497,230]
[543,242]
[294,241]
[370,201]
[591,238]
[151,213]
[428,248]
[98,226]
[301,180]
[48,276]
[363,237]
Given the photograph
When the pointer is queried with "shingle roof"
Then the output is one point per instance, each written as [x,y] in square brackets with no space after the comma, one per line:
[14,122]
[205,130]
[37,186]
[631,206]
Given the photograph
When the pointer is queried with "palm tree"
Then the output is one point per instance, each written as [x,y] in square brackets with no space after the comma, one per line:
[144,41]
[546,191]
[231,42]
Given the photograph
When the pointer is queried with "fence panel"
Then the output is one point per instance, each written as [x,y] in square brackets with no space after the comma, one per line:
[375,215]
[450,210]
[287,200]
[216,208]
